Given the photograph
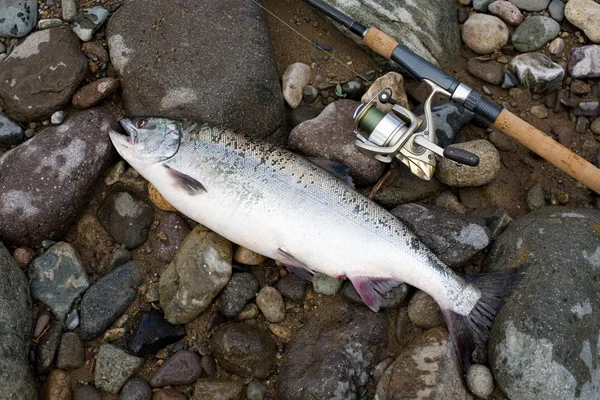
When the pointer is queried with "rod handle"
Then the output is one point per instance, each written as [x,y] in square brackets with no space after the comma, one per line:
[380,42]
[555,153]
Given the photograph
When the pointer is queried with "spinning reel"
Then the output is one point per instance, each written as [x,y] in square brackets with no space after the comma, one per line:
[401,134]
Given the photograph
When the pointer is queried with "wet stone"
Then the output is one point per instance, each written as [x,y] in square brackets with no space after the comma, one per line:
[11,133]
[126,219]
[153,333]
[390,299]
[136,389]
[292,287]
[183,368]
[58,279]
[114,367]
[242,288]
[107,299]
[218,389]
[71,353]
[47,347]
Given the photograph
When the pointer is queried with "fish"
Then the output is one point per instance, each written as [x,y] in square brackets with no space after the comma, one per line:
[285,207]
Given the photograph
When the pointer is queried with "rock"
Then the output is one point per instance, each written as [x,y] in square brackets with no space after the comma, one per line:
[35,201]
[57,118]
[510,80]
[11,133]
[244,350]
[488,71]
[557,10]
[427,369]
[47,347]
[325,284]
[507,11]
[200,269]
[292,287]
[48,23]
[69,9]
[484,33]
[585,14]
[587,108]
[72,320]
[71,354]
[152,334]
[294,79]
[534,33]
[330,135]
[496,218]
[170,234]
[24,256]
[449,200]
[455,238]
[391,80]
[579,87]
[58,279]
[136,389]
[250,311]
[537,72]
[50,57]
[92,94]
[107,299]
[255,390]
[88,21]
[309,94]
[183,368]
[209,365]
[57,386]
[18,17]
[96,52]
[185,84]
[563,133]
[424,312]
[531,5]
[114,367]
[481,5]
[585,62]
[556,46]
[302,113]
[595,126]
[459,175]
[448,118]
[406,188]
[218,389]
[271,304]
[247,257]
[242,288]
[331,357]
[480,381]
[168,394]
[582,125]
[88,392]
[539,111]
[353,90]
[551,319]
[391,299]
[126,219]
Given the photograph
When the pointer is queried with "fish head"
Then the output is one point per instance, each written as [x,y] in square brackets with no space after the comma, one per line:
[147,140]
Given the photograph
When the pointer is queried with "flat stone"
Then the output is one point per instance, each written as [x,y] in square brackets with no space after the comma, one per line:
[47,181]
[556,8]
[114,367]
[18,17]
[136,389]
[200,269]
[183,368]
[107,299]
[181,82]
[488,71]
[71,353]
[537,72]
[585,14]
[58,279]
[459,175]
[52,58]
[152,334]
[92,94]
[484,33]
[11,133]
[270,302]
[218,389]
[531,5]
[126,219]
[48,23]
[534,33]
[507,11]
[585,62]
[47,347]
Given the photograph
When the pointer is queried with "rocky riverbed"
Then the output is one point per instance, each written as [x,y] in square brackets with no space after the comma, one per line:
[105,293]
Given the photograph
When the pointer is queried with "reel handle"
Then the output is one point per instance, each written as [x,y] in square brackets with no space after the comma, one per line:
[461,156]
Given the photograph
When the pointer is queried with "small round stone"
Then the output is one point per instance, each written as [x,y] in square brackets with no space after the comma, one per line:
[255,390]
[327,285]
[424,312]
[248,257]
[484,33]
[535,197]
[480,381]
[24,256]
[271,304]
[57,118]
[539,111]
[136,389]
[595,126]
[250,311]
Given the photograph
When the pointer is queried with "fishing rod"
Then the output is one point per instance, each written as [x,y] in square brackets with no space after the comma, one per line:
[395,135]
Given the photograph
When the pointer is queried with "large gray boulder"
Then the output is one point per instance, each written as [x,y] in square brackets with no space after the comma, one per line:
[16,380]
[545,342]
[428,28]
[207,61]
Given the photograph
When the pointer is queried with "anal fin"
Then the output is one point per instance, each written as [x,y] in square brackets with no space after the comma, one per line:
[295,265]
[186,182]
[370,289]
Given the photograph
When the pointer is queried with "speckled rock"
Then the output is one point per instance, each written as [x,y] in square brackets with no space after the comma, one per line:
[126,218]
[585,62]
[489,71]
[57,386]
[534,33]
[484,33]
[136,389]
[36,203]
[537,72]
[271,304]
[52,58]
[585,14]
[183,368]
[330,136]
[551,320]
[114,367]
[507,11]
[295,78]
[219,389]
[459,175]
[480,381]
[424,312]
[241,288]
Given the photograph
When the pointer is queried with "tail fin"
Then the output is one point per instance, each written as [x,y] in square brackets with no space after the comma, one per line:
[473,330]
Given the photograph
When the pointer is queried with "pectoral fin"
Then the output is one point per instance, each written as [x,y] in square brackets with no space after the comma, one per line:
[340,171]
[370,289]
[295,265]
[185,182]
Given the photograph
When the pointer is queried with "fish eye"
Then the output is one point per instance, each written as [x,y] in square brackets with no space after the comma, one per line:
[140,123]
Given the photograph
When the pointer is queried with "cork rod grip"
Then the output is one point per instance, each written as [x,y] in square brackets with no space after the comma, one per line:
[555,153]
[380,43]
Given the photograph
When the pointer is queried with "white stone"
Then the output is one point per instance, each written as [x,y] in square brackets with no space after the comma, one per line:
[294,79]
[484,33]
[585,14]
[480,381]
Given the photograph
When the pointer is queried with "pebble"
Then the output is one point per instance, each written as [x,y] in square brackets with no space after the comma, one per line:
[88,21]
[353,90]
[595,126]
[449,200]
[480,381]
[23,256]
[507,11]
[250,311]
[582,124]
[170,234]
[302,113]
[539,111]
[484,33]
[534,33]
[556,46]
[325,284]
[218,389]
[462,15]
[536,197]
[509,80]
[114,367]
[92,94]
[244,350]
[41,322]
[247,257]
[69,9]
[531,5]
[107,299]
[47,347]
[168,394]
[71,353]
[309,94]
[557,10]
[563,133]
[481,5]
[294,79]
[57,386]
[292,287]
[537,72]
[209,365]
[392,80]
[256,390]
[242,288]
[270,302]
[390,299]
[58,279]
[183,368]
[457,175]
[587,108]
[11,133]
[17,18]
[48,23]
[126,218]
[381,367]
[488,71]
[585,62]
[424,312]
[89,392]
[95,51]
[585,14]
[152,333]
[282,332]
[579,87]
[57,118]
[136,389]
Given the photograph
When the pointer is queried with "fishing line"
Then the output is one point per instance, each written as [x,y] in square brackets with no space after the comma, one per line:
[311,42]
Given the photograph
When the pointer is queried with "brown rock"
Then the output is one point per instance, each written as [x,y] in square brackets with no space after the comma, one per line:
[168,394]
[248,257]
[580,87]
[563,133]
[24,256]
[57,386]
[95,51]
[488,71]
[183,368]
[158,200]
[94,93]
[507,11]
[71,354]
[169,236]
[41,74]
[218,389]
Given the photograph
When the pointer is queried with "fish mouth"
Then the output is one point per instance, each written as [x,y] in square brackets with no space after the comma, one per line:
[129,127]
